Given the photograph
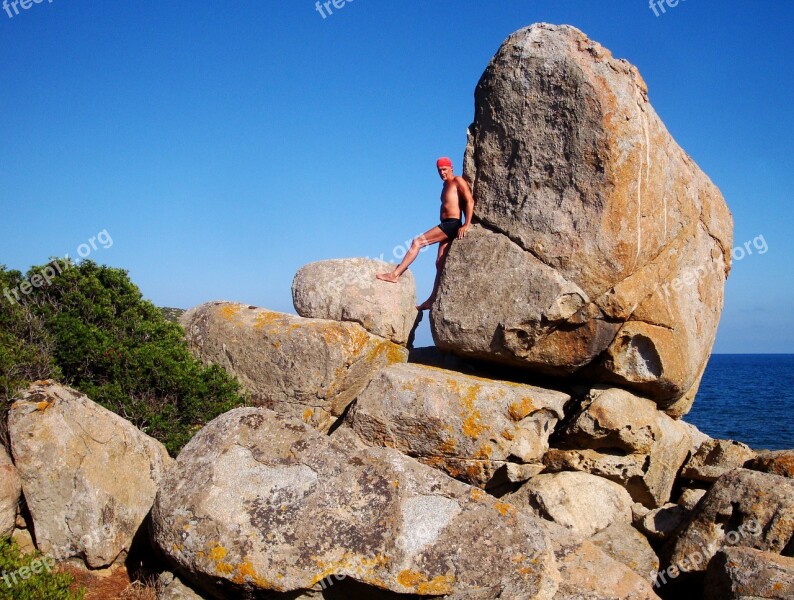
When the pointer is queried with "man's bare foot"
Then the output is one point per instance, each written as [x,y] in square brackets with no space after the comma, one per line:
[390,277]
[426,305]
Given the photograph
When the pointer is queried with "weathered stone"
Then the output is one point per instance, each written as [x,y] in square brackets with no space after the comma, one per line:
[170,587]
[10,492]
[605,248]
[467,426]
[742,508]
[589,573]
[89,476]
[638,446]
[628,546]
[779,462]
[747,574]
[347,290]
[697,437]
[714,458]
[308,368]
[582,503]
[259,501]
[660,523]
[690,497]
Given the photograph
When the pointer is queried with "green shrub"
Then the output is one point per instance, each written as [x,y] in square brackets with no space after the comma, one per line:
[18,581]
[104,339]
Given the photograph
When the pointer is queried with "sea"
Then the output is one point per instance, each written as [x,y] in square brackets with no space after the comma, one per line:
[749,398]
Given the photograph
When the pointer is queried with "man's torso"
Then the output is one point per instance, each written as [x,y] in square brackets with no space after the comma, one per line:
[450,200]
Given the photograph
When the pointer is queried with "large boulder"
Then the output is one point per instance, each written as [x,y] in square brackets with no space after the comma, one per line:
[258,501]
[715,458]
[623,437]
[308,368]
[605,248]
[467,426]
[743,508]
[589,573]
[10,492]
[347,290]
[628,546]
[89,476]
[584,504]
[747,574]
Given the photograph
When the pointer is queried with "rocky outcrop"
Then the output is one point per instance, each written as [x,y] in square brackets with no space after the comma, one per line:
[747,574]
[606,247]
[89,477]
[743,508]
[714,458]
[347,290]
[10,492]
[582,503]
[623,437]
[258,501]
[308,368]
[467,426]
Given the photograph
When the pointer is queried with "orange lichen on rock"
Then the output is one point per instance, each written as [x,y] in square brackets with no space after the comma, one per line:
[520,409]
[229,311]
[419,582]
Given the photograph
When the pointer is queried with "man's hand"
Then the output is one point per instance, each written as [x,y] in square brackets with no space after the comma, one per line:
[462,231]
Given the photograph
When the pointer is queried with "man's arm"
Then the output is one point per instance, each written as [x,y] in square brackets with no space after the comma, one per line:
[468,204]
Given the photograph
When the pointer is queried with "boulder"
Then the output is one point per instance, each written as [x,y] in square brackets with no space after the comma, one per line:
[10,492]
[661,523]
[467,426]
[690,497]
[584,504]
[628,546]
[743,508]
[623,437]
[259,501]
[169,587]
[89,476]
[347,290]
[589,573]
[778,462]
[747,574]
[604,247]
[308,368]
[714,458]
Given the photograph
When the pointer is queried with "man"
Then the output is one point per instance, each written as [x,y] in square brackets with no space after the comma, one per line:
[456,198]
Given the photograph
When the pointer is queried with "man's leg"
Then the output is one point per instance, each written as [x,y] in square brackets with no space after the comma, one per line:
[432,236]
[443,249]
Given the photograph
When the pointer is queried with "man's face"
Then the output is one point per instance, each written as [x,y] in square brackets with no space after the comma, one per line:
[445,173]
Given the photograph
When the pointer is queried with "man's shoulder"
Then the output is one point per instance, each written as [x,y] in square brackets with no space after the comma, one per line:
[462,181]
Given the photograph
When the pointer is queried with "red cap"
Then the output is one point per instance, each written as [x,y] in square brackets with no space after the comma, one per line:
[443,162]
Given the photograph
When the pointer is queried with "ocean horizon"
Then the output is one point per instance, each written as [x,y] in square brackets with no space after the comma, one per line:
[748,398]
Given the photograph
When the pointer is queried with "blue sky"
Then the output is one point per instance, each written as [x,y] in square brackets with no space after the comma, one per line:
[224,145]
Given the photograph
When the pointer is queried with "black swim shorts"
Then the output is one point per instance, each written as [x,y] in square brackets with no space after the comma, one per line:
[450,227]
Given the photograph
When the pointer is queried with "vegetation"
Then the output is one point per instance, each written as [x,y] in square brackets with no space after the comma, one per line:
[90,328]
[31,576]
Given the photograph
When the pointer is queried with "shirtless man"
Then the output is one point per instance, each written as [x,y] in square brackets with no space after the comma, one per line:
[455,198]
